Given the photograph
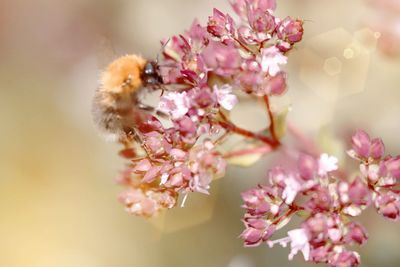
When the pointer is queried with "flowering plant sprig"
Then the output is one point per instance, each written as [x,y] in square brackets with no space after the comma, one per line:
[179,149]
[326,200]
[203,71]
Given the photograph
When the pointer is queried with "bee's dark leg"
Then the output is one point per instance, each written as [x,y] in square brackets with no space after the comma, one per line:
[145,107]
[133,134]
[152,109]
[162,114]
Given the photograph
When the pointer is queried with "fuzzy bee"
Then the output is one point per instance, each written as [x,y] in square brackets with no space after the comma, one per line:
[117,109]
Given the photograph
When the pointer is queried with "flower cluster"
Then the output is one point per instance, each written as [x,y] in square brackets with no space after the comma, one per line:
[247,54]
[169,168]
[203,69]
[327,201]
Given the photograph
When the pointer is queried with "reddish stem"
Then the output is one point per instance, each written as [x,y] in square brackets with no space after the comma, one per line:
[271,119]
[244,46]
[292,210]
[226,124]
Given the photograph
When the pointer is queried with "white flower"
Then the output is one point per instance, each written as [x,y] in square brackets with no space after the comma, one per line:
[175,104]
[292,187]
[271,58]
[225,98]
[299,242]
[327,164]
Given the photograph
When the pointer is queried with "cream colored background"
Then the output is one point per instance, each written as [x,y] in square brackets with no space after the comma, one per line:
[57,196]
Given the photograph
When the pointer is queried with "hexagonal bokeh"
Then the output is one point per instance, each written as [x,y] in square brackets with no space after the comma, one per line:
[337,62]
[198,209]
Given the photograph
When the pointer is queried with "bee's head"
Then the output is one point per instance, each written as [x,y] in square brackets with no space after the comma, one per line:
[151,75]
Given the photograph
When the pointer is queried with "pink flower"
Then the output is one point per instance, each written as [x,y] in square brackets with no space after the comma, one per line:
[146,203]
[345,259]
[319,254]
[326,164]
[321,200]
[392,165]
[251,236]
[241,7]
[377,148]
[389,205]
[220,25]
[356,233]
[256,201]
[327,203]
[316,227]
[174,103]
[257,231]
[156,143]
[263,23]
[359,193]
[271,58]
[290,30]
[223,59]
[185,126]
[361,144]
[298,240]
[225,98]
[292,187]
[277,84]
[364,147]
[204,164]
[307,166]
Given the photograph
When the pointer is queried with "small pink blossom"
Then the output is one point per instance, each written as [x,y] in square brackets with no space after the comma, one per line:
[263,22]
[358,192]
[221,25]
[174,103]
[277,84]
[271,58]
[356,233]
[298,240]
[242,7]
[291,189]
[225,97]
[377,148]
[345,259]
[307,166]
[319,254]
[392,165]
[290,30]
[316,227]
[389,205]
[224,59]
[146,203]
[156,143]
[257,231]
[361,144]
[256,201]
[326,164]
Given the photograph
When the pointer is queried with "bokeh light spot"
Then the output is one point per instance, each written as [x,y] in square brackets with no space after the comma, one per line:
[333,66]
[348,53]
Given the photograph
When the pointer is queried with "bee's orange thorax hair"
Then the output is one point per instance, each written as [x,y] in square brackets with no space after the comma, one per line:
[123,75]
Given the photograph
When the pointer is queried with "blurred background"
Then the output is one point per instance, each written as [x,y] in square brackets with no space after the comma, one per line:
[57,194]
